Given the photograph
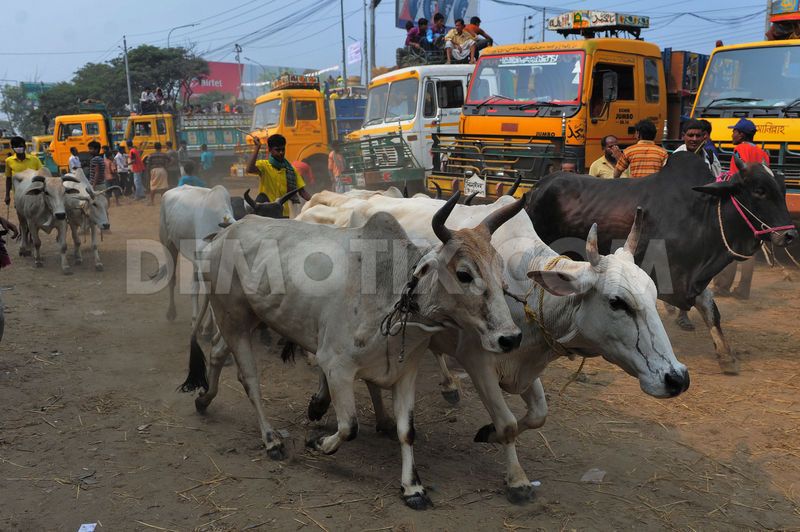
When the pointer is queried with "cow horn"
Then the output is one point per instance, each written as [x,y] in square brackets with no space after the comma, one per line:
[636,231]
[438,191]
[70,178]
[503,214]
[442,232]
[286,197]
[592,252]
[405,189]
[737,159]
[38,179]
[515,186]
[249,200]
[468,200]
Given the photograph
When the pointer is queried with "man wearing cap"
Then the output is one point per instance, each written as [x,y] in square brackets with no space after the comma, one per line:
[18,162]
[743,135]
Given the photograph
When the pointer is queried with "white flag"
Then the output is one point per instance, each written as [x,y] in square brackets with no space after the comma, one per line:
[354,53]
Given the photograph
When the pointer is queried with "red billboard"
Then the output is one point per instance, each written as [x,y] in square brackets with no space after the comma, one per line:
[221,77]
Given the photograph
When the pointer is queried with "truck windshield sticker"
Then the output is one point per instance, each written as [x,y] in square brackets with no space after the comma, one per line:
[541,60]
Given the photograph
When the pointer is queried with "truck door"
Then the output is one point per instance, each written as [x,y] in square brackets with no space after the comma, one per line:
[618,116]
[304,126]
[442,102]
[653,105]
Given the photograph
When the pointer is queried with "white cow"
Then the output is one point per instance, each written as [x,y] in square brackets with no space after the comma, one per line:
[605,307]
[86,209]
[39,202]
[339,293]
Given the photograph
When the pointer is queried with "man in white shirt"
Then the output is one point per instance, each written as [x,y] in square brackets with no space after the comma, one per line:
[124,172]
[694,140]
[74,160]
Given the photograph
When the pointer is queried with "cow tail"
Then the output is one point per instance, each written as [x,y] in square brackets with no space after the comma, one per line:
[160,274]
[197,359]
[287,354]
[197,369]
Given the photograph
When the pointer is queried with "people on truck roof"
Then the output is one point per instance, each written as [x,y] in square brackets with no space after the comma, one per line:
[482,39]
[459,44]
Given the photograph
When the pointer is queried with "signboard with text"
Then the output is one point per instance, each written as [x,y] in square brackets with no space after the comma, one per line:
[221,77]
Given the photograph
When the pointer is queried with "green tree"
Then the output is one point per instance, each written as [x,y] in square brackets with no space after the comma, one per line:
[20,111]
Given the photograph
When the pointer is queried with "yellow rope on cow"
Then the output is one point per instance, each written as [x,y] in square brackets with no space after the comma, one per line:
[538,318]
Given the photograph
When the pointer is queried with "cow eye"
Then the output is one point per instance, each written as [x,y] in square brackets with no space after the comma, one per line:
[760,191]
[464,276]
[617,303]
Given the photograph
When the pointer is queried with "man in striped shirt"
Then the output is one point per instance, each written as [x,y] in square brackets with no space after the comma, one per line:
[644,157]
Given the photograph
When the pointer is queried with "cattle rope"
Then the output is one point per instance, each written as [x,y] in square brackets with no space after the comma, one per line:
[404,307]
[725,238]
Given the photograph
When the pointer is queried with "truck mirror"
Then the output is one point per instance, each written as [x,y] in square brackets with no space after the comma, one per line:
[609,86]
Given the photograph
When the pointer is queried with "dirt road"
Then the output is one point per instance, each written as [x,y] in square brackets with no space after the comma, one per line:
[92,429]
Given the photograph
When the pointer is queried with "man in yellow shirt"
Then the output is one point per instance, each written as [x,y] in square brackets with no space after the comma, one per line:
[604,166]
[276,175]
[18,162]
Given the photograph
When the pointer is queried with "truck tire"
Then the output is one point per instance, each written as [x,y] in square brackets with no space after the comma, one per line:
[322,179]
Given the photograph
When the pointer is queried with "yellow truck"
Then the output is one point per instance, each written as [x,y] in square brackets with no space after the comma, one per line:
[759,81]
[78,131]
[532,106]
[296,109]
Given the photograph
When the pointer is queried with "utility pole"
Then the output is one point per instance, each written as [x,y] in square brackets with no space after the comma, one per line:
[344,48]
[767,22]
[544,21]
[238,50]
[365,49]
[371,35]
[127,72]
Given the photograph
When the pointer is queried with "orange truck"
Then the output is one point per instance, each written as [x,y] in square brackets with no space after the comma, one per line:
[760,81]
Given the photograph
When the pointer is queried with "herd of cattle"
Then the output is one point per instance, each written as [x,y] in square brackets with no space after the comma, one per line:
[369,282]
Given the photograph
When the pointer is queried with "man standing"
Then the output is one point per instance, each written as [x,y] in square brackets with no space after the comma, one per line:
[644,157]
[743,136]
[459,44]
[482,39]
[276,175]
[604,166]
[17,163]
[173,168]
[123,171]
[157,162]
[694,140]
[97,165]
[138,168]
[206,161]
[336,167]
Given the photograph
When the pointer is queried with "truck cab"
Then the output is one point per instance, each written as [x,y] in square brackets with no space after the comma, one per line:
[77,131]
[532,106]
[296,109]
[758,81]
[145,130]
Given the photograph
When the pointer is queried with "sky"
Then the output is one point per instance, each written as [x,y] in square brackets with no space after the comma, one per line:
[60,37]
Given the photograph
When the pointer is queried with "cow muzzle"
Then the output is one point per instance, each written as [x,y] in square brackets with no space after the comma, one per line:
[676,382]
[105,227]
[784,238]
[509,342]
[61,215]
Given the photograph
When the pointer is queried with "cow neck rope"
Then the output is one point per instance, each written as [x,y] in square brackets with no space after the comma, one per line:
[725,238]
[404,307]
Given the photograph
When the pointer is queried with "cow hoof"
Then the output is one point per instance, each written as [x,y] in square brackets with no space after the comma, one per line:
[317,408]
[729,366]
[98,267]
[315,442]
[387,427]
[171,314]
[451,396]
[277,453]
[39,264]
[520,494]
[484,433]
[685,324]
[418,501]
[200,405]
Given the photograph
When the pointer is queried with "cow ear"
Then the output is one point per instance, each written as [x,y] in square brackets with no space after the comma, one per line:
[559,283]
[35,191]
[719,189]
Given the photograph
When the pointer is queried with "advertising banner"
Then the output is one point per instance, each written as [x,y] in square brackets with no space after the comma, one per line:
[414,10]
[222,77]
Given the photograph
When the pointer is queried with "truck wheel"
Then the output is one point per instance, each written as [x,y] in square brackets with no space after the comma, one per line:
[319,167]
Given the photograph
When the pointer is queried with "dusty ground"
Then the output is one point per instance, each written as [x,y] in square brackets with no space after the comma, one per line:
[92,428]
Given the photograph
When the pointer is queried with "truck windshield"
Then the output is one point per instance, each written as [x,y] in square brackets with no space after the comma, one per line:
[541,77]
[752,77]
[267,114]
[392,103]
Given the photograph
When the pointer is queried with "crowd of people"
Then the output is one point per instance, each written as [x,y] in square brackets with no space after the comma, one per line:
[458,45]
